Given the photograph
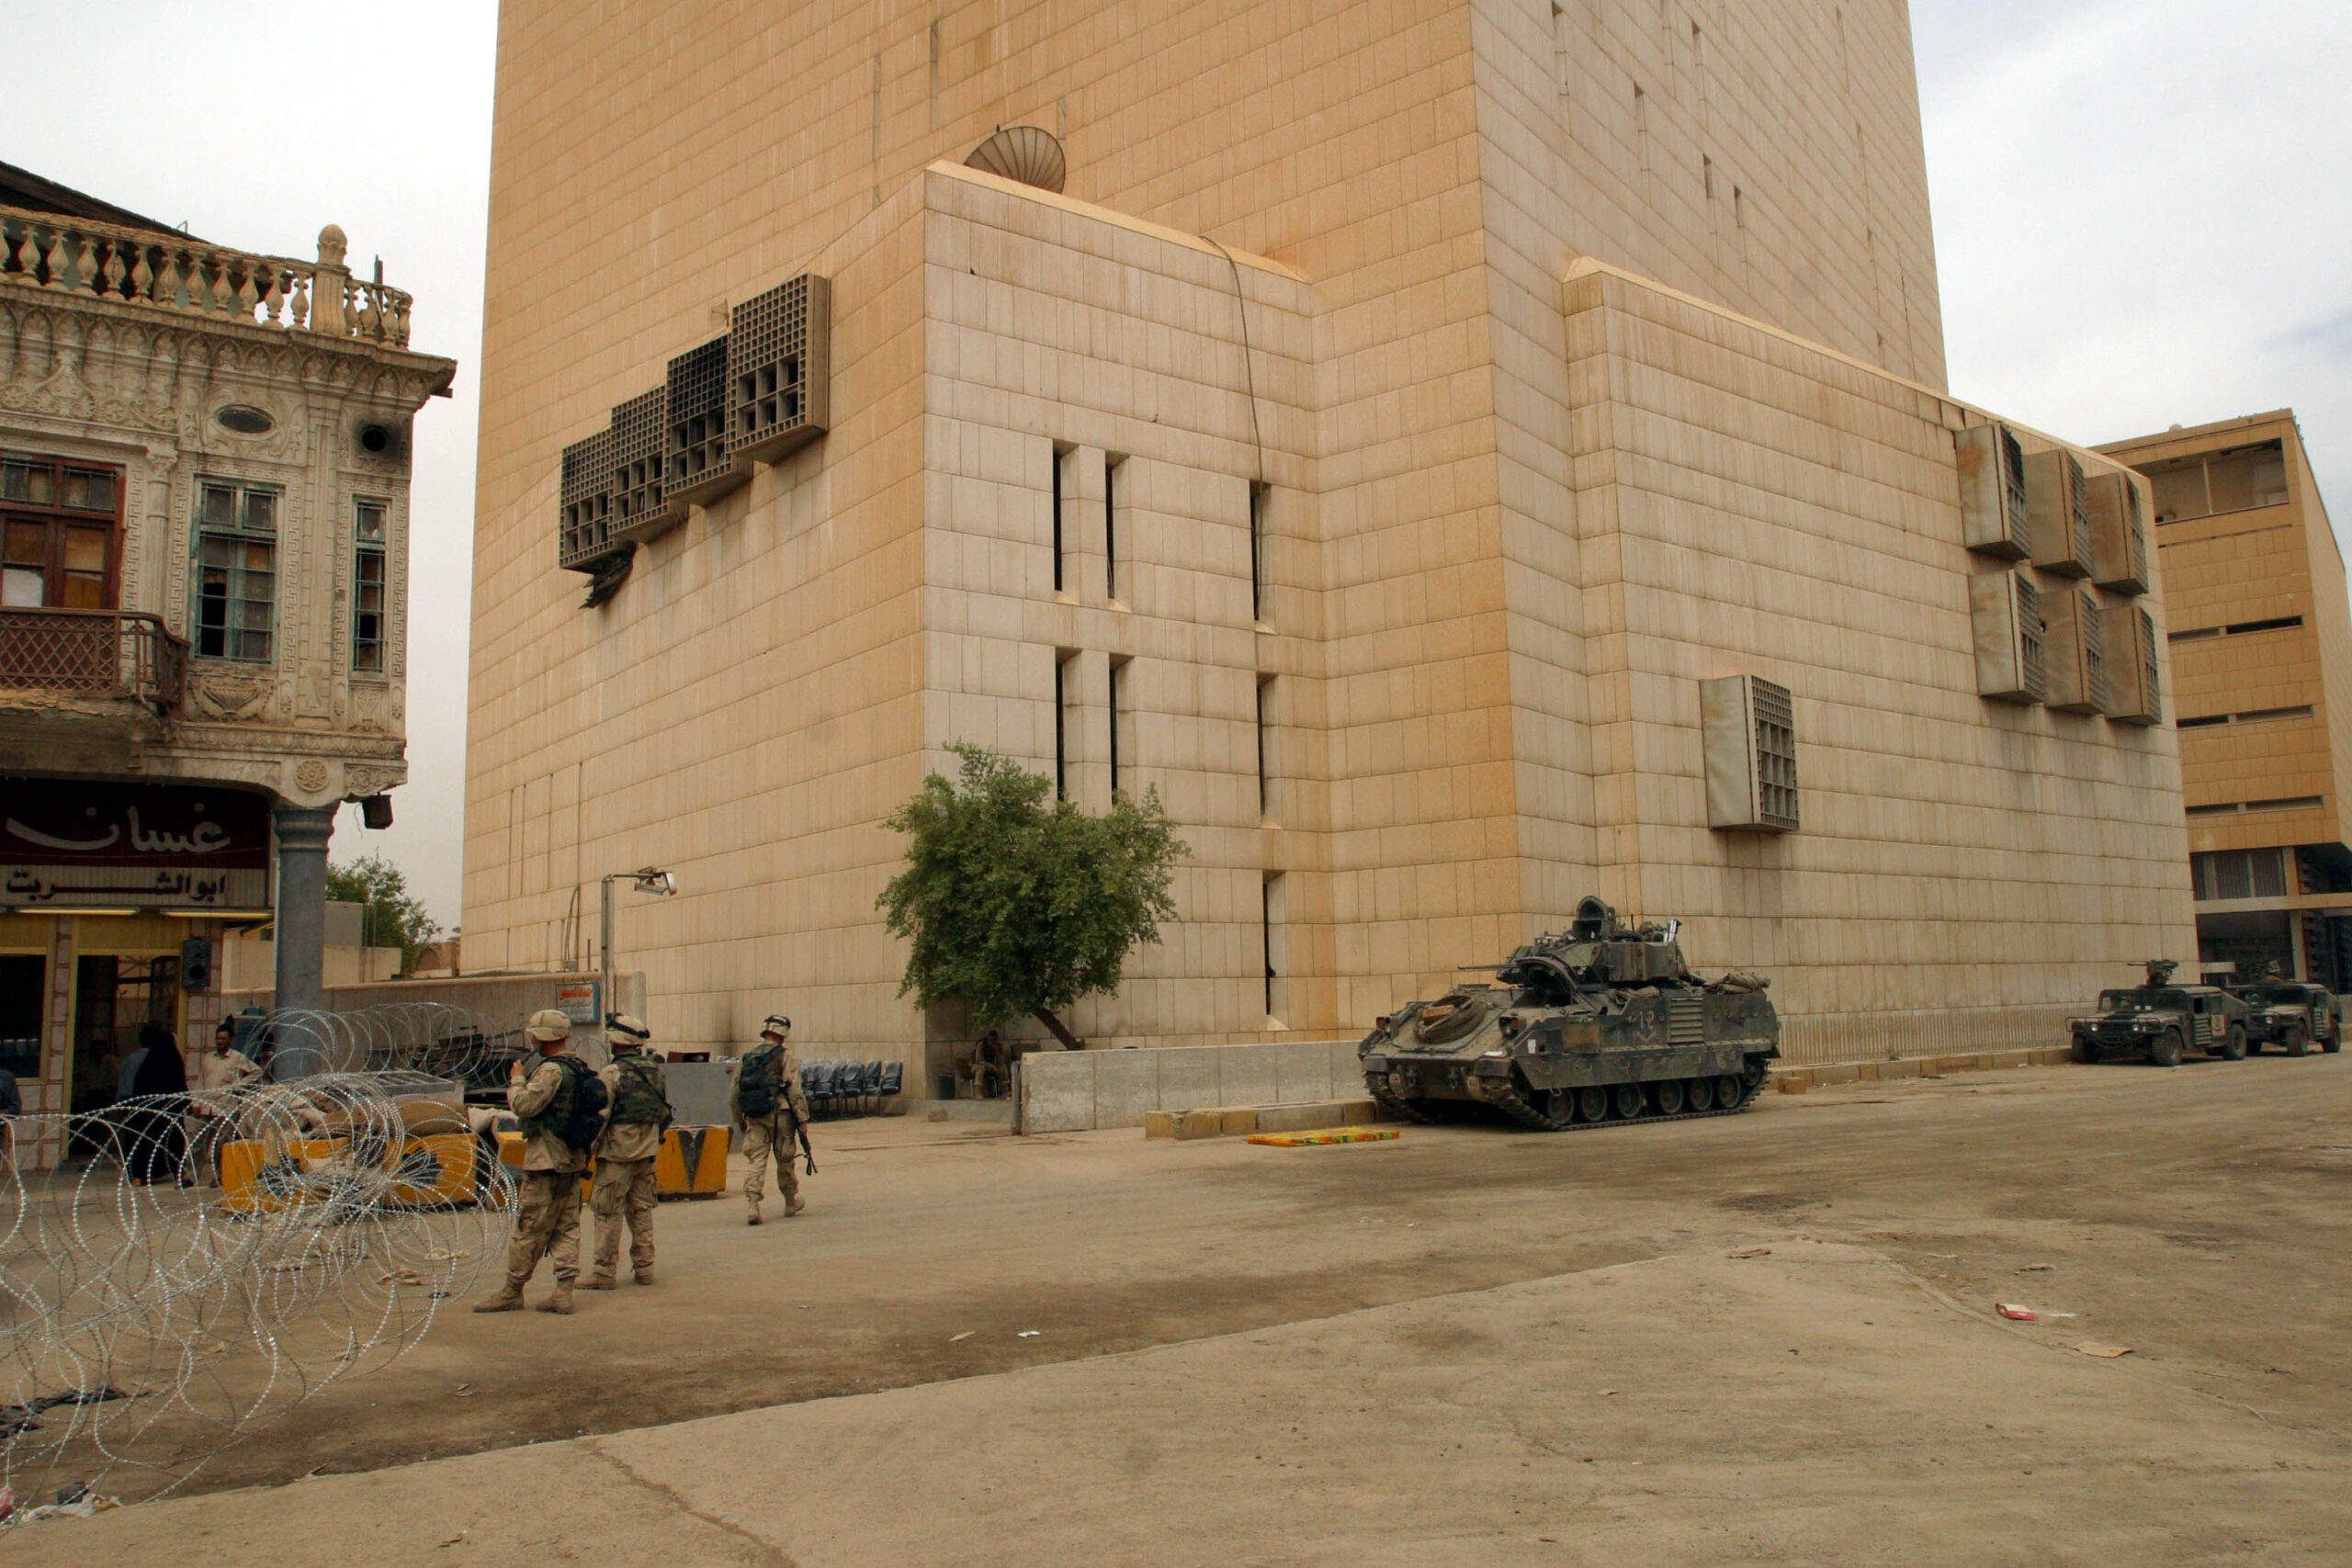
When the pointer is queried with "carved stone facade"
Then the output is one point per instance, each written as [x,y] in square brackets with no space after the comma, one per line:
[204,497]
[115,383]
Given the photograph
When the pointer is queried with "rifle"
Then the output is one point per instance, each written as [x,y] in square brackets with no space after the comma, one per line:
[800,1130]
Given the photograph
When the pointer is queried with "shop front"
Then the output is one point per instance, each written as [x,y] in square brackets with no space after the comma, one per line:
[113,901]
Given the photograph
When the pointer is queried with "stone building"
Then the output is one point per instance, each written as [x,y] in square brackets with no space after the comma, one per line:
[1465,456]
[2262,654]
[204,476]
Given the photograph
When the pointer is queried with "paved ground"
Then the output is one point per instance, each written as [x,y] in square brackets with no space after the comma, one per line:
[1400,1353]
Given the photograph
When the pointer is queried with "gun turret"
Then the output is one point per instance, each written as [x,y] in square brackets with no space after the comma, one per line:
[2160,970]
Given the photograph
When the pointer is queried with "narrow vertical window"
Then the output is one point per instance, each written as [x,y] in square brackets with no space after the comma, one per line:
[1111,527]
[1118,712]
[1739,208]
[236,575]
[1707,174]
[367,587]
[1259,492]
[1642,127]
[1062,672]
[1271,943]
[1061,456]
[1560,47]
[1265,789]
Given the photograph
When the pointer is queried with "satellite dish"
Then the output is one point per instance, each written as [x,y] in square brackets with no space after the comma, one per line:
[1028,154]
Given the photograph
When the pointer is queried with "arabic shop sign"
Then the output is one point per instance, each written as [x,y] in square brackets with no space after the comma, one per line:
[71,845]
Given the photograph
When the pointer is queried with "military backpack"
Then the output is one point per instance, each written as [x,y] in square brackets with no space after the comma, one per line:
[641,1094]
[759,1084]
[576,1113]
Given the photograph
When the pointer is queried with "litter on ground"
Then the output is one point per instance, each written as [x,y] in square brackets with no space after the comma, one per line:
[2105,1352]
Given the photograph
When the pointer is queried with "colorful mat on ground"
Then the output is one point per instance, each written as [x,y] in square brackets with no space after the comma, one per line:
[1324,1135]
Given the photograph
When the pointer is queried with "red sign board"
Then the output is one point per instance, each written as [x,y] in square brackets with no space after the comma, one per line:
[66,844]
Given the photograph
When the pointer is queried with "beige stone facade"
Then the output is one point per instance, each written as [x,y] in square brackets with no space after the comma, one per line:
[1468,383]
[2262,649]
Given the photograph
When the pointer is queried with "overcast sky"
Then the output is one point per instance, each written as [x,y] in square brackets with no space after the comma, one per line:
[2138,205]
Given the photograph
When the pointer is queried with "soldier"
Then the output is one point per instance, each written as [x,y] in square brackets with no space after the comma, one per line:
[640,1097]
[559,1104]
[769,1111]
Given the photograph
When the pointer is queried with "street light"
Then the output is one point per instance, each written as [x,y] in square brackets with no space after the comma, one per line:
[645,879]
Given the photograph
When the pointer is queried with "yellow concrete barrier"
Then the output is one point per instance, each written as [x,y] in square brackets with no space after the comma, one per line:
[1325,1135]
[691,1162]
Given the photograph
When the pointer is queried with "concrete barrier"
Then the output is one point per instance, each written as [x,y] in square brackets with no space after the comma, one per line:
[1068,1092]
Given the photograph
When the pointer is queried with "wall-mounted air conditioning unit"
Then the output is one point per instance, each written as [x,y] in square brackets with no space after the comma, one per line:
[2075,651]
[1993,517]
[2006,610]
[1749,730]
[2062,519]
[2118,533]
[2132,694]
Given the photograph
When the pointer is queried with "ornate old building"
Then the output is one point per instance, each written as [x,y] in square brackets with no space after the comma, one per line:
[204,478]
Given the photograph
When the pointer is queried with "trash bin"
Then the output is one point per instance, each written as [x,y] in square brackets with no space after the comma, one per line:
[947,1086]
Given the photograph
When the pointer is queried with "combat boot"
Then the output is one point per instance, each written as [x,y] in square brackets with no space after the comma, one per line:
[793,1206]
[559,1302]
[645,1276]
[753,1217]
[509,1298]
[598,1282]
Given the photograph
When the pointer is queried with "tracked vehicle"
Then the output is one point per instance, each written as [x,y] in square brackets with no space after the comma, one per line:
[1602,1022]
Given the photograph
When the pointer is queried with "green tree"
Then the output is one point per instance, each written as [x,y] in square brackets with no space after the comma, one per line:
[1016,903]
[393,918]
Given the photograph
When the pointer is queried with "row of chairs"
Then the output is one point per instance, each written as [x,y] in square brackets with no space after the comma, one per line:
[850,1088]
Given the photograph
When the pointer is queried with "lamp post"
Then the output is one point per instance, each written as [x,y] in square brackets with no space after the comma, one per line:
[647,879]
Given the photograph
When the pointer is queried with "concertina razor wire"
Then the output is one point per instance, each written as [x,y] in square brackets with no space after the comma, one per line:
[148,1320]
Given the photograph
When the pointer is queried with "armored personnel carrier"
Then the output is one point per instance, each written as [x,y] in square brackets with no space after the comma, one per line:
[1602,1022]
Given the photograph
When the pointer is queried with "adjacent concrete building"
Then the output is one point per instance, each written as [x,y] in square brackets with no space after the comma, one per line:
[2262,653]
[204,462]
[1465,456]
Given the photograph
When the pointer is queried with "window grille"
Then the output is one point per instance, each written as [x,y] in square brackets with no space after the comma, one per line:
[1994,517]
[2240,874]
[2131,649]
[236,554]
[2056,500]
[777,350]
[1749,745]
[699,471]
[2005,608]
[640,434]
[2118,533]
[367,588]
[587,502]
[2076,654]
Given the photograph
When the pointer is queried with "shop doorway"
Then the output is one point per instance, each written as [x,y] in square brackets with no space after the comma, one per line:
[23,977]
[115,997]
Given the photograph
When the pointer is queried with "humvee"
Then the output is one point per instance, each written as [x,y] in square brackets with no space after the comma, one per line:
[2294,1014]
[2163,1021]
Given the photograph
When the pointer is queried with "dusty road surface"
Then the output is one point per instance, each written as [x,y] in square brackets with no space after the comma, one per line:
[1471,1344]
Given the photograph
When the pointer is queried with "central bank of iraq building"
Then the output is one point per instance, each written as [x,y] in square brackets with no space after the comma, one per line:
[1465,456]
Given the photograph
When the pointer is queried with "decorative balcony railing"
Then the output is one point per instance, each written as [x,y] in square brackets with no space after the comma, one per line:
[101,655]
[107,261]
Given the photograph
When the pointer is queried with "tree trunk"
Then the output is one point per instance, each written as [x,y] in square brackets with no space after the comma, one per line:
[1069,1042]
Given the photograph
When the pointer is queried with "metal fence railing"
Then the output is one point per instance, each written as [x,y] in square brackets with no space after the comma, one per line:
[94,653]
